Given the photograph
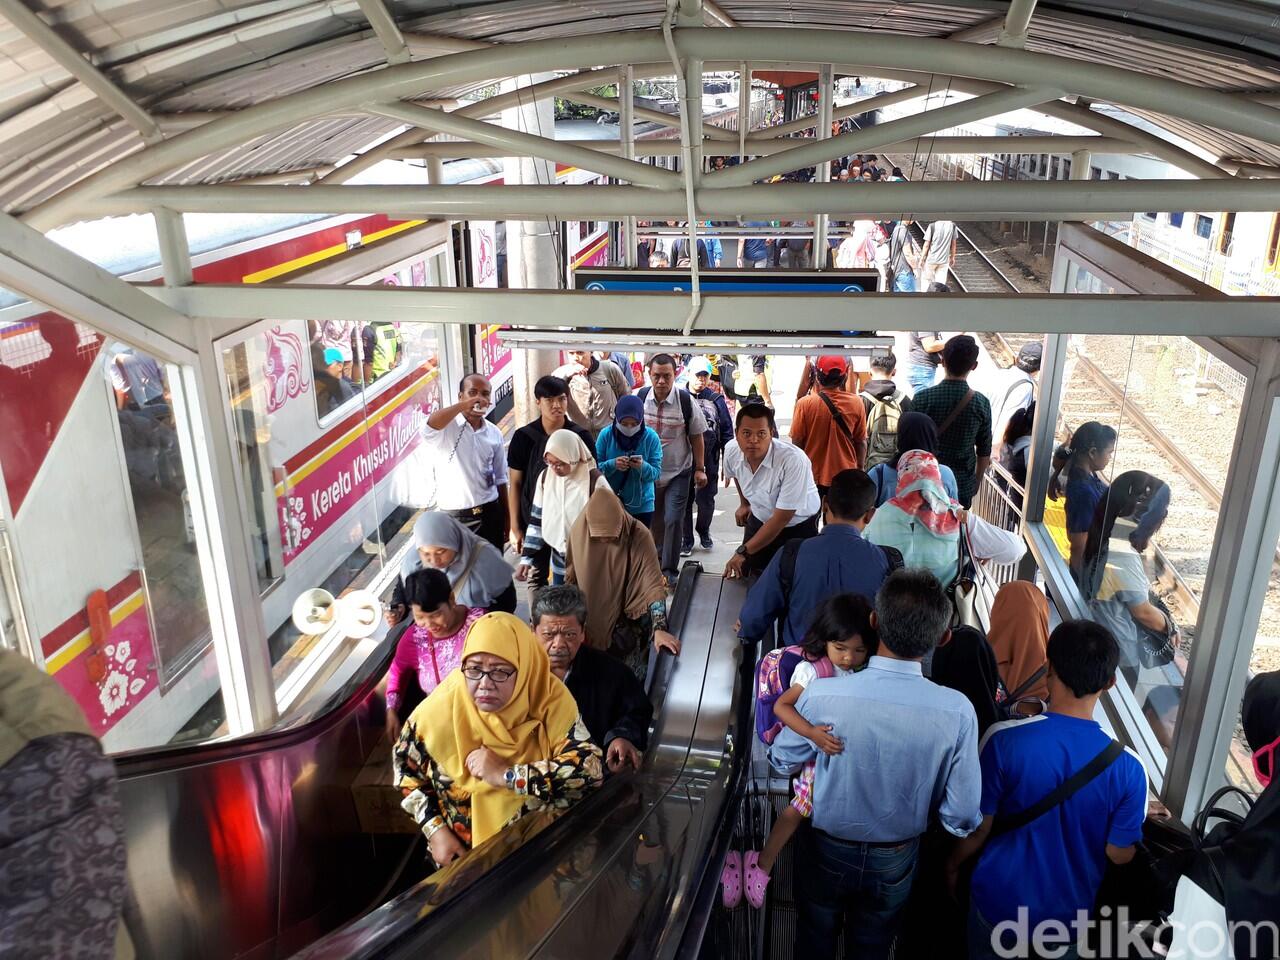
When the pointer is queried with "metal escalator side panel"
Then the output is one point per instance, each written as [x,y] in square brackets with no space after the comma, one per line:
[528,877]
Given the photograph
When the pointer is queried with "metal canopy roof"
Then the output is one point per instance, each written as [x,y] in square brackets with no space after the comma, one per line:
[191,57]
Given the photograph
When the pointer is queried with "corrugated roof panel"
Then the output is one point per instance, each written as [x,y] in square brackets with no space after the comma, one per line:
[214,55]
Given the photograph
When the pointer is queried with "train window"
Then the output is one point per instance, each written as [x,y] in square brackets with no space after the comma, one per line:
[328,500]
[1112,175]
[1095,173]
[1175,219]
[1228,229]
[1204,226]
[104,586]
[1053,168]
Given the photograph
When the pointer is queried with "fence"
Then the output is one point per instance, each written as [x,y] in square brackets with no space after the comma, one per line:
[999,502]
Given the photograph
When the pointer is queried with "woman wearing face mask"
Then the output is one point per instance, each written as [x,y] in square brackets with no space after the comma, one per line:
[558,501]
[1229,892]
[630,457]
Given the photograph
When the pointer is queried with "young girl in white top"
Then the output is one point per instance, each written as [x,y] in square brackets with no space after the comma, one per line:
[841,632]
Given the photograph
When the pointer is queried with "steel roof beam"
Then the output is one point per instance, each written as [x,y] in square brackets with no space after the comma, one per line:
[459,149]
[967,200]
[70,59]
[869,138]
[1223,111]
[1016,22]
[527,144]
[839,113]
[384,27]
[726,314]
[715,14]
[36,267]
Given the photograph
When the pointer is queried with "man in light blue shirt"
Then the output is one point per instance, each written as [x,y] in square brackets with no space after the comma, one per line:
[910,754]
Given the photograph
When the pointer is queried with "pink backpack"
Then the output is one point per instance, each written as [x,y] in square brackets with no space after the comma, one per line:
[773,679]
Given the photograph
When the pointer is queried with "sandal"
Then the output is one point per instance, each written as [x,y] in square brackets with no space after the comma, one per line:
[731,880]
[755,880]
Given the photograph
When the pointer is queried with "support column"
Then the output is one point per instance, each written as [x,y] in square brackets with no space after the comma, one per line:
[627,121]
[1080,160]
[532,261]
[744,109]
[1236,582]
[175,251]
[826,103]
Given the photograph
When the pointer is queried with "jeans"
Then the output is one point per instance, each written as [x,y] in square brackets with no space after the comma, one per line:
[921,376]
[904,282]
[864,886]
[669,505]
[705,500]
[981,947]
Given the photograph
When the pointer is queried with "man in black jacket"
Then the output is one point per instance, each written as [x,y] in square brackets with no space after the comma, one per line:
[612,702]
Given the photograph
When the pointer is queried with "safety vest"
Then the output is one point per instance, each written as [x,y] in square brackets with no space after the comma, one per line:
[386,338]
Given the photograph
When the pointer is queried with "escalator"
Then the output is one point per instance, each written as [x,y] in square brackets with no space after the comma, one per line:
[251,848]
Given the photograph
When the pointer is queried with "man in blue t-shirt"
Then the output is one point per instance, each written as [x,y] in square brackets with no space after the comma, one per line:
[753,252]
[1048,871]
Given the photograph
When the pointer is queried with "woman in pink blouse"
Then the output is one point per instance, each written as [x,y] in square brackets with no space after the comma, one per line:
[431,648]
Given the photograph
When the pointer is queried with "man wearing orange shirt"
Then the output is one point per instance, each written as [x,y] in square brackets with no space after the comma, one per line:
[830,425]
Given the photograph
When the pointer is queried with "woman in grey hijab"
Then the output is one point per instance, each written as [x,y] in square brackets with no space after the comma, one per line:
[475,568]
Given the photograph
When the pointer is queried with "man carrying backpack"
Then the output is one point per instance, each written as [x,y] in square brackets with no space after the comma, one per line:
[681,427]
[885,404]
[830,426]
[719,432]
[805,572]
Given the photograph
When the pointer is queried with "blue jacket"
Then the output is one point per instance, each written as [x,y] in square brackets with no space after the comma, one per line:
[633,487]
[838,560]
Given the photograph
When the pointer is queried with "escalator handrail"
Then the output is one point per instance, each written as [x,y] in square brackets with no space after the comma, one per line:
[350,697]
[520,848]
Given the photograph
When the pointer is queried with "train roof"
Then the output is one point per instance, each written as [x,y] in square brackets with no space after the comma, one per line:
[191,61]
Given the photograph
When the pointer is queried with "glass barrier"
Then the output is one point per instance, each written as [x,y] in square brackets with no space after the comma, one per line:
[1144,433]
[330,466]
[102,558]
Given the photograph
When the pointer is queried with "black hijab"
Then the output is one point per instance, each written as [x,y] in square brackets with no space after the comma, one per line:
[1251,862]
[967,664]
[916,431]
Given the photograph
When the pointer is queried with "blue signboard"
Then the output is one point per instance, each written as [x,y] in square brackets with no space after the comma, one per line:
[729,281]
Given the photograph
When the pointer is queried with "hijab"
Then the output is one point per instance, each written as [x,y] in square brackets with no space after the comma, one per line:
[613,560]
[917,431]
[537,717]
[966,663]
[922,496]
[562,499]
[1251,854]
[628,406]
[478,573]
[1019,636]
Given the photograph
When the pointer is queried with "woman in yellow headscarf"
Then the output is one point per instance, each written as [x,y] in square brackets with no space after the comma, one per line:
[501,736]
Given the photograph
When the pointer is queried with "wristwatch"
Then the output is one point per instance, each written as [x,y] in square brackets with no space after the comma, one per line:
[509,778]
[742,550]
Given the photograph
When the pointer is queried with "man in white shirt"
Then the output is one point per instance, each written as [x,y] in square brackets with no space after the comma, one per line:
[939,253]
[470,467]
[779,499]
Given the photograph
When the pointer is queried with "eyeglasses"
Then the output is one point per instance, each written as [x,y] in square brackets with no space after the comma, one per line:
[496,675]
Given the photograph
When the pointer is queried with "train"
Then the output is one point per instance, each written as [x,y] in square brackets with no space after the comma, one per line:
[93,459]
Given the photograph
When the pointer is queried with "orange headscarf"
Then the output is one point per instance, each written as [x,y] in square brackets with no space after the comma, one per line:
[1019,636]
[538,715]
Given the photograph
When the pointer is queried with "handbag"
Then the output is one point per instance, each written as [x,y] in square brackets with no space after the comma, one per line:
[1157,648]
[964,588]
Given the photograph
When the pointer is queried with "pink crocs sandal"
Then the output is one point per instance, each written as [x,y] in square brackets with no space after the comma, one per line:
[731,880]
[755,880]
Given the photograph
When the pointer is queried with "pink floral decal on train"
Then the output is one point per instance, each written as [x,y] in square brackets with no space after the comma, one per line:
[283,368]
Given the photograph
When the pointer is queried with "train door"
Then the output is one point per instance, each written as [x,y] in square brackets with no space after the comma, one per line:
[102,580]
